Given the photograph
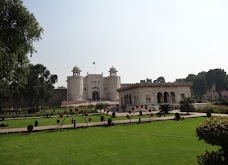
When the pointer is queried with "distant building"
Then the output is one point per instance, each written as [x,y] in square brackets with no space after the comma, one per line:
[61,87]
[212,94]
[93,86]
[153,94]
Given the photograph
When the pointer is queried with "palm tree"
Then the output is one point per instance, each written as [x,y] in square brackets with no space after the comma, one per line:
[186,105]
[165,108]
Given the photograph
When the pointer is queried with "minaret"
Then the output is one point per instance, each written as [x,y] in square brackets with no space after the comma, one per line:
[75,85]
[113,84]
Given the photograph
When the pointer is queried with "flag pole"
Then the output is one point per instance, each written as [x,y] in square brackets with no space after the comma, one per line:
[94,67]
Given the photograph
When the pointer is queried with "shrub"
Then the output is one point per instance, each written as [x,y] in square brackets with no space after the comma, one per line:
[186,105]
[208,114]
[165,108]
[102,118]
[159,114]
[215,131]
[177,116]
[30,128]
[36,123]
[113,114]
[58,121]
[109,122]
[211,158]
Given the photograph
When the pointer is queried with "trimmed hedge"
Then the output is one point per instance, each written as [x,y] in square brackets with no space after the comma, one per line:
[213,109]
[214,131]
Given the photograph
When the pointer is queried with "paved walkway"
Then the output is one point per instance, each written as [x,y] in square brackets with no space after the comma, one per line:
[93,124]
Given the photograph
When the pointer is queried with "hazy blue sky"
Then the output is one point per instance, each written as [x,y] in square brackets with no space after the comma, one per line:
[141,38]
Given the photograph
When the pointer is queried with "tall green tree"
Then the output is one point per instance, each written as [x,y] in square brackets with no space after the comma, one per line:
[218,78]
[18,31]
[199,86]
[40,86]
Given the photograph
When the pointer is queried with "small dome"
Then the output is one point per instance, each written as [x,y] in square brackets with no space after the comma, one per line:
[76,69]
[112,70]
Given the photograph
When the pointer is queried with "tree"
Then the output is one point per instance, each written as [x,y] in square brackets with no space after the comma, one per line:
[199,86]
[18,30]
[159,80]
[186,105]
[100,106]
[218,78]
[214,131]
[40,85]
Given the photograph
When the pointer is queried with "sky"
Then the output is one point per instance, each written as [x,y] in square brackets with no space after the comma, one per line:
[140,38]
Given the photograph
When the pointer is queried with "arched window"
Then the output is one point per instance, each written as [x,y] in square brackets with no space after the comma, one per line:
[166,97]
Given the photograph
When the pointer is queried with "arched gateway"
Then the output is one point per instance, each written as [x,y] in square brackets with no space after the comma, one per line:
[96,95]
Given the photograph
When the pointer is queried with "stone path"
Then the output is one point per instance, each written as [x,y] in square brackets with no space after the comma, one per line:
[93,124]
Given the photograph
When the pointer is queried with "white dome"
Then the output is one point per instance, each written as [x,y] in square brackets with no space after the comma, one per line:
[112,70]
[76,70]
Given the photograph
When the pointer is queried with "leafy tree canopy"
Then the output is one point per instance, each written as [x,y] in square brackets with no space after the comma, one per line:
[18,30]
[204,81]
[40,85]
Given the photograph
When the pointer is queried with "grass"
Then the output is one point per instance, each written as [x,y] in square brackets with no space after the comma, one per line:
[52,121]
[164,142]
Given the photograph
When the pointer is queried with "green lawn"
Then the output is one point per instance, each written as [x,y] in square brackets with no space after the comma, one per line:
[164,142]
[52,121]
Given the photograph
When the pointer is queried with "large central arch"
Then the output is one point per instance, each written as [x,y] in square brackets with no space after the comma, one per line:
[96,95]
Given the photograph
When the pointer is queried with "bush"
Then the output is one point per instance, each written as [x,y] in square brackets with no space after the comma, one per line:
[214,131]
[102,118]
[159,114]
[211,158]
[30,128]
[208,114]
[36,123]
[213,109]
[113,114]
[165,108]
[177,116]
[109,122]
[58,121]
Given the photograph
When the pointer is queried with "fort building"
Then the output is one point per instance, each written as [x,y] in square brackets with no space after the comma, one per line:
[93,87]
